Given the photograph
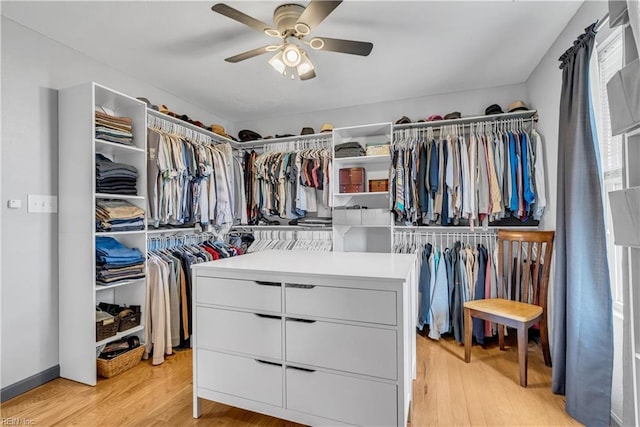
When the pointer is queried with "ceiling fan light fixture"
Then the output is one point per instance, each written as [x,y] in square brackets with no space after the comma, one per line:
[291,55]
[316,43]
[272,32]
[302,28]
[277,63]
[305,65]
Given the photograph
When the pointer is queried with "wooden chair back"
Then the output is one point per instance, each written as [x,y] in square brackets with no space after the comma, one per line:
[524,265]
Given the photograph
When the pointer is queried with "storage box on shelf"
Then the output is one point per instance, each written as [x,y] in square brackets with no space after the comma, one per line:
[361,181]
[79,291]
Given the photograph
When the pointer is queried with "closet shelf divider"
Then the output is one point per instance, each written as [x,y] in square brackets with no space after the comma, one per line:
[118,147]
[118,196]
[117,285]
[120,335]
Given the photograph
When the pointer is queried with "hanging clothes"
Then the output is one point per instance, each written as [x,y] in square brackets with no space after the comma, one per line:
[487,172]
[189,182]
[287,184]
[169,286]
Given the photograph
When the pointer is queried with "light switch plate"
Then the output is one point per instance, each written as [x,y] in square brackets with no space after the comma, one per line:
[42,204]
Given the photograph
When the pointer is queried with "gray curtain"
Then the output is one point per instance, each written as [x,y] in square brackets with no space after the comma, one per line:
[583,319]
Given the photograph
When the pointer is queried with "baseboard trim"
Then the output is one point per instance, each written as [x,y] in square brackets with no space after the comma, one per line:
[13,390]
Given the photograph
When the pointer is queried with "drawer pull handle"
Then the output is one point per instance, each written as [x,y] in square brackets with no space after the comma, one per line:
[263,283]
[268,316]
[267,362]
[297,286]
[293,319]
[301,369]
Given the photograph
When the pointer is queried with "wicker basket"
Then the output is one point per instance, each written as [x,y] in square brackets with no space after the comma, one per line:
[130,321]
[117,365]
[107,328]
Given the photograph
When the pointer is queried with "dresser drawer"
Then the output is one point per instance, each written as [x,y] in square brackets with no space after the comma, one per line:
[240,376]
[238,331]
[346,399]
[358,349]
[360,305]
[254,295]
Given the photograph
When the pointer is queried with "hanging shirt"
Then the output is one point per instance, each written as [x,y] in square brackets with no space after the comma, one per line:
[540,187]
[440,299]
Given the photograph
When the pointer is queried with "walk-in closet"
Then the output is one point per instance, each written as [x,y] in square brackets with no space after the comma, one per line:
[371,213]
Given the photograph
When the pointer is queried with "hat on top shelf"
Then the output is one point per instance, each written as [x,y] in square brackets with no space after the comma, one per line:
[149,104]
[517,106]
[326,127]
[248,135]
[434,118]
[402,120]
[453,115]
[218,129]
[493,109]
[307,131]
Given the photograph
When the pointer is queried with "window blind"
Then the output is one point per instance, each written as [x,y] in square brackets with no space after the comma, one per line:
[610,58]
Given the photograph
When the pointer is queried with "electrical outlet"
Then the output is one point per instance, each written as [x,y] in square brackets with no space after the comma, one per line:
[42,204]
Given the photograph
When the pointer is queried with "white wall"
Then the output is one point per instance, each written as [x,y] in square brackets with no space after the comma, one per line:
[469,103]
[543,91]
[33,68]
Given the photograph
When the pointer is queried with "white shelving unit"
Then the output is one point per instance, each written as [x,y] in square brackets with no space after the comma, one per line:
[362,230]
[79,294]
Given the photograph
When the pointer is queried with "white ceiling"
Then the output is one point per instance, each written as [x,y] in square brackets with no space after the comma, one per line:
[420,48]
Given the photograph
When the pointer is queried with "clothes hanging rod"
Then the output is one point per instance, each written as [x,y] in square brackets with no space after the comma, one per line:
[280,227]
[194,128]
[528,115]
[174,230]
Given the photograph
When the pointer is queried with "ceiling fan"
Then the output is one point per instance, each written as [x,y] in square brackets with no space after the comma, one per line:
[294,22]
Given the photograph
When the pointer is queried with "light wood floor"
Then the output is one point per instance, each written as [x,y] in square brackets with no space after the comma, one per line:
[447,392]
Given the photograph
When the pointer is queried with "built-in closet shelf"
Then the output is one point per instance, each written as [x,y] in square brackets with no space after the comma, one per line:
[115,147]
[119,233]
[187,125]
[362,226]
[463,229]
[120,335]
[526,114]
[368,194]
[119,284]
[634,132]
[118,196]
[363,160]
[262,142]
[172,230]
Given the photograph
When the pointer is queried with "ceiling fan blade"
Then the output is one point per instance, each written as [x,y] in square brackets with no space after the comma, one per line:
[316,12]
[346,46]
[243,18]
[308,75]
[248,54]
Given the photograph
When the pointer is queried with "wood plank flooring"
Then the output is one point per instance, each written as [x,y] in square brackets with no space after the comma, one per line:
[447,392]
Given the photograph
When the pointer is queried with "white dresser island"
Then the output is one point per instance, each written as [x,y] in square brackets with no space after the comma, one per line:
[320,338]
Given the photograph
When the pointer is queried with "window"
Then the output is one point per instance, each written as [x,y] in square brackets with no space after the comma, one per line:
[610,60]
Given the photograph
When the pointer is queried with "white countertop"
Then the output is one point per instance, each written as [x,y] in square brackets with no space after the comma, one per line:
[333,264]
